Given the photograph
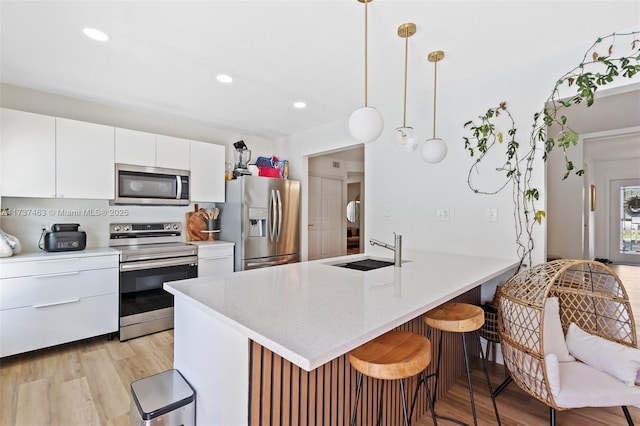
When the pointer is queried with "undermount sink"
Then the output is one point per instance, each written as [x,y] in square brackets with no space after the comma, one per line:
[365,264]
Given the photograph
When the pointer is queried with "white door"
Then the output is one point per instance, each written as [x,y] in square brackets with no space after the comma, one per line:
[332,241]
[624,221]
[325,218]
[315,217]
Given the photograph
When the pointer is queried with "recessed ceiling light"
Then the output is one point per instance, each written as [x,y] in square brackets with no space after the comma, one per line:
[94,34]
[299,105]
[223,78]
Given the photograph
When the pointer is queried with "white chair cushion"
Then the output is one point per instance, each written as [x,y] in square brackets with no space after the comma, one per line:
[552,335]
[584,386]
[620,361]
[553,373]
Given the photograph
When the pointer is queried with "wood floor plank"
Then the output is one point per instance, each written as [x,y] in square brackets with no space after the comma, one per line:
[111,397]
[73,404]
[33,404]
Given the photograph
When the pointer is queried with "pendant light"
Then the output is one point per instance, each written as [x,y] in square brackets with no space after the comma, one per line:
[434,150]
[366,123]
[403,136]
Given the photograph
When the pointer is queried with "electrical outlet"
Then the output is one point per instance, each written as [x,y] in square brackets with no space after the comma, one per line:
[442,215]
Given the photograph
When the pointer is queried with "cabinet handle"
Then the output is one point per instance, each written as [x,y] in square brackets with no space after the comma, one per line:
[59,274]
[60,260]
[64,302]
[214,258]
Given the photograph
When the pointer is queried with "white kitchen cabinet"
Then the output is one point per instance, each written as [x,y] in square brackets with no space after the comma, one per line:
[134,147]
[84,160]
[28,143]
[173,153]
[207,172]
[214,258]
[148,149]
[57,299]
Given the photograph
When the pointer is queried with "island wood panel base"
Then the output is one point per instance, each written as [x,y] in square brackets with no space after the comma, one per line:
[282,393]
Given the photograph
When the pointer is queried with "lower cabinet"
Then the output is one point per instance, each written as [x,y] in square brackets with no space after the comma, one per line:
[52,301]
[214,259]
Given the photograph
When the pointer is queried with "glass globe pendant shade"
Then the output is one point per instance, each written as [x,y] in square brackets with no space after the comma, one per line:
[366,124]
[433,150]
[404,139]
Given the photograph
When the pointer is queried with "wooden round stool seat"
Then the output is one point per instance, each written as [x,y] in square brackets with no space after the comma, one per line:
[455,317]
[394,355]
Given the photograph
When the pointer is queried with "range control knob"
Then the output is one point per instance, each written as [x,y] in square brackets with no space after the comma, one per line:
[125,228]
[176,226]
[116,228]
[167,227]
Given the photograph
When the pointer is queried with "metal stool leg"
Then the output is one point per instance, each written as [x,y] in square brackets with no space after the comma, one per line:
[404,403]
[486,374]
[355,407]
[468,370]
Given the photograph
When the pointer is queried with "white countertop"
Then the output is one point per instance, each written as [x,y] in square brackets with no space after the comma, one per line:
[44,255]
[313,312]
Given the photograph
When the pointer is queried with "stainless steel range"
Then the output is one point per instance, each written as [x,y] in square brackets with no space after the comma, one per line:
[150,255]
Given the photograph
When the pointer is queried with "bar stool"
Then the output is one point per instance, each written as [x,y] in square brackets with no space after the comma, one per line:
[458,318]
[396,355]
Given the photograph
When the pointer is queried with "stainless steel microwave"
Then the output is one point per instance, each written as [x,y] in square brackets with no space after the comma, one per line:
[151,185]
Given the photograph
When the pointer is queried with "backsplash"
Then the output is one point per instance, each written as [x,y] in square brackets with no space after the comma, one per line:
[27,217]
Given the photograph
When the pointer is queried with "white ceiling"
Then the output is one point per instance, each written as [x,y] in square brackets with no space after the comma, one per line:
[163,56]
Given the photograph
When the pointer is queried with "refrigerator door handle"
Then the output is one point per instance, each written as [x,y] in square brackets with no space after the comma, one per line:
[279,215]
[272,230]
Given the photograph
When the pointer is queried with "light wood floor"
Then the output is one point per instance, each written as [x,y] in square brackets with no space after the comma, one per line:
[87,383]
[83,383]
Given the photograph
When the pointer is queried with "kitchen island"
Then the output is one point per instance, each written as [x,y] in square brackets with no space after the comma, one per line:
[278,336]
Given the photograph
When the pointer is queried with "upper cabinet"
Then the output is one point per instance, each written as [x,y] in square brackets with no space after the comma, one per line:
[134,147]
[172,153]
[28,152]
[49,157]
[148,149]
[84,160]
[207,172]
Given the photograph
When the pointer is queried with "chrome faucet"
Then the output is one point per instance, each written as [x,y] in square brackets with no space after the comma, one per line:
[397,248]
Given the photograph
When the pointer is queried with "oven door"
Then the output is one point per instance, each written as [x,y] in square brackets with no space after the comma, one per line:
[141,283]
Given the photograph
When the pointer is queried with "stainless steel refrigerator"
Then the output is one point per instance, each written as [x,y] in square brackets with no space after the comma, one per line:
[262,217]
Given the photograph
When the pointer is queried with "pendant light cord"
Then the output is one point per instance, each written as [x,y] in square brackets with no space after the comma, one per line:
[435,78]
[366,14]
[406,55]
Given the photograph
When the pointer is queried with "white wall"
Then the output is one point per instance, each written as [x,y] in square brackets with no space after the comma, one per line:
[565,204]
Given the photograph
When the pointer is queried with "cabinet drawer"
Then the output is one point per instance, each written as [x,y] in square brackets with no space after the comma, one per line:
[57,265]
[51,289]
[27,329]
[213,251]
[214,266]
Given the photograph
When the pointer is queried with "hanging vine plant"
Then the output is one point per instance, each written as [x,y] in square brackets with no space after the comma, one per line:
[600,66]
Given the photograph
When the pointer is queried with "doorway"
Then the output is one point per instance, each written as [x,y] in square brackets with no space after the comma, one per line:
[333,178]
[624,221]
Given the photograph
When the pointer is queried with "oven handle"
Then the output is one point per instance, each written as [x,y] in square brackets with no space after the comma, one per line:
[150,264]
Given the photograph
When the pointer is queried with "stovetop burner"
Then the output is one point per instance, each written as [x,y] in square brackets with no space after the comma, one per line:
[144,241]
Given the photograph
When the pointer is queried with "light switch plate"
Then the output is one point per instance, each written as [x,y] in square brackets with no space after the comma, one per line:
[492,214]
[442,215]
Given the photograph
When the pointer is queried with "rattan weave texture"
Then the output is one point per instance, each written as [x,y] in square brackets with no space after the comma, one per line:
[589,294]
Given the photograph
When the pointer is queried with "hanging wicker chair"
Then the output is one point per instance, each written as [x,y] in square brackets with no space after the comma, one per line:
[589,295]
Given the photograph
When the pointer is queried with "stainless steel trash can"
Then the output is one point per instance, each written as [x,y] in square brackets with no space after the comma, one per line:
[162,399]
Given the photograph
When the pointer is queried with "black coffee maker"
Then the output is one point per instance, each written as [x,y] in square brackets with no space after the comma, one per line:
[242,158]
